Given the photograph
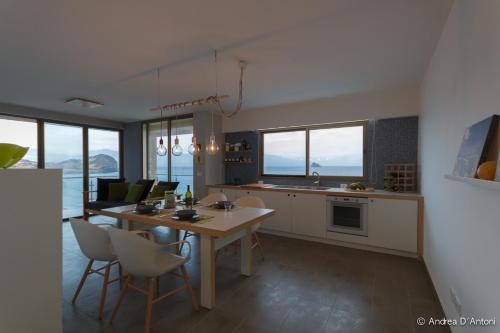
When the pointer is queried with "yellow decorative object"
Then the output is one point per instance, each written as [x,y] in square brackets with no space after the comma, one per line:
[10,154]
[487,170]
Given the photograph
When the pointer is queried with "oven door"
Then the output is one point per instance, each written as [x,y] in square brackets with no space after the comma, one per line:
[348,218]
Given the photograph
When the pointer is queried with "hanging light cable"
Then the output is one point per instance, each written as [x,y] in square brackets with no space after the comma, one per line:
[212,147]
[161,150]
[193,148]
[243,65]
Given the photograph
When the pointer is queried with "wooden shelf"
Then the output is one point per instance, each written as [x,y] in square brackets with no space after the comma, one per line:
[489,184]
[239,151]
[238,162]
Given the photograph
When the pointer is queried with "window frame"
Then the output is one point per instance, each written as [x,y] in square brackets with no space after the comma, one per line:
[307,129]
[167,127]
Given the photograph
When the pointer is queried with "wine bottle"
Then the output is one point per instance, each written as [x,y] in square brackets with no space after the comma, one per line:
[188,198]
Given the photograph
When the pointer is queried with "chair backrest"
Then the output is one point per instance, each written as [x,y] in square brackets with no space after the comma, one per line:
[213,197]
[93,240]
[250,201]
[138,255]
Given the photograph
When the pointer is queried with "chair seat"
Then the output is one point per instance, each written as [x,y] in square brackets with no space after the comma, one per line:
[166,261]
[98,205]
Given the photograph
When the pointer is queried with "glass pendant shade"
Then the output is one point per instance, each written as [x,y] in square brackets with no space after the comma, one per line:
[193,148]
[161,150]
[212,147]
[176,148]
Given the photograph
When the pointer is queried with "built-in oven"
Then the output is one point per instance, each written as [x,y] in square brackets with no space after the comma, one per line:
[347,215]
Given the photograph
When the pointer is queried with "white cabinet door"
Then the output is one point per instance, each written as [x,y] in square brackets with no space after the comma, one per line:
[281,203]
[231,194]
[215,190]
[393,223]
[309,215]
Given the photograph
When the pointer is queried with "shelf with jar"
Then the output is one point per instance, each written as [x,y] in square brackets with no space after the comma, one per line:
[238,160]
[239,147]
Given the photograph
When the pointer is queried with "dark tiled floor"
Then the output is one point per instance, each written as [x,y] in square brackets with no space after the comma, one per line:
[300,287]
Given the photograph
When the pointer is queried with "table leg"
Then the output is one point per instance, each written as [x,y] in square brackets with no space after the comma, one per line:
[246,254]
[207,253]
[177,237]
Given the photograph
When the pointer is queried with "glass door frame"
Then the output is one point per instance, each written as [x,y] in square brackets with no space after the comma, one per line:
[168,130]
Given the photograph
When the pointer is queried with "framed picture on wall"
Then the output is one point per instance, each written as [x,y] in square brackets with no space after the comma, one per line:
[474,147]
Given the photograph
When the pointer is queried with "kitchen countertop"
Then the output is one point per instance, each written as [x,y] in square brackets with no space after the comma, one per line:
[333,191]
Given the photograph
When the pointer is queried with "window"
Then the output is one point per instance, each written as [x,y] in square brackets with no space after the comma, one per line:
[169,167]
[284,153]
[63,148]
[22,132]
[104,156]
[332,151]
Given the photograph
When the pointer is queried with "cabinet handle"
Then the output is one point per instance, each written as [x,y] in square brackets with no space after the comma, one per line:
[372,200]
[288,194]
[294,195]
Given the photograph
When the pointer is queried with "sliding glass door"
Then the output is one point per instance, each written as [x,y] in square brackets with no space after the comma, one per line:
[63,148]
[182,166]
[104,156]
[170,167]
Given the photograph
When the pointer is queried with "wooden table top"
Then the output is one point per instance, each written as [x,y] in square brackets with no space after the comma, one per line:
[222,224]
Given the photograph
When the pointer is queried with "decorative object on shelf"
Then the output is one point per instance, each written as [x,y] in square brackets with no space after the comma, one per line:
[10,154]
[400,177]
[216,99]
[161,150]
[358,187]
[486,170]
[474,147]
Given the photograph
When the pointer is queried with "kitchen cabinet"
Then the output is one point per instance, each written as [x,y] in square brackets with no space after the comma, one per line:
[309,215]
[392,224]
[282,204]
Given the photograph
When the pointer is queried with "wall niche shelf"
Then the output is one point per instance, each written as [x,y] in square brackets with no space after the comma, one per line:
[489,184]
[238,162]
[238,151]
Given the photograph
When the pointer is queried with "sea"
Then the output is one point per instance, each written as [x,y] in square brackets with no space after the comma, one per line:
[349,171]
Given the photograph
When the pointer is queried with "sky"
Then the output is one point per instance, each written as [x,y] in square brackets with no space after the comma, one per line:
[61,141]
[330,146]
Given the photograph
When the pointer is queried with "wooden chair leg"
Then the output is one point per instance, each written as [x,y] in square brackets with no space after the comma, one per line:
[259,244]
[149,304]
[104,290]
[186,233]
[82,280]
[189,288]
[122,296]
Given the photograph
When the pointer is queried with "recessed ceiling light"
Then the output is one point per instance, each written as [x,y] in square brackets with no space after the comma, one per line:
[84,103]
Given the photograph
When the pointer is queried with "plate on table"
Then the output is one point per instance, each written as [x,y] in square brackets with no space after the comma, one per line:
[145,209]
[222,204]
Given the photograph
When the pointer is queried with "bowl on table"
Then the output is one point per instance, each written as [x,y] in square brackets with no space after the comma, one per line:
[145,209]
[185,215]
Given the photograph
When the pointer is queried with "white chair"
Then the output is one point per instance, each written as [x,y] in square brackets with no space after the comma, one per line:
[95,244]
[144,258]
[206,201]
[212,198]
[254,202]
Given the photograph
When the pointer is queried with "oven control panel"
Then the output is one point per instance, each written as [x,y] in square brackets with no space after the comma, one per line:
[348,199]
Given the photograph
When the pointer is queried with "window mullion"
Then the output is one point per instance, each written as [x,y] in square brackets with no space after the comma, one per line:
[307,152]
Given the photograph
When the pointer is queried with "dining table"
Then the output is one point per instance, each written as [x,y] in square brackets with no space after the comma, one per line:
[216,227]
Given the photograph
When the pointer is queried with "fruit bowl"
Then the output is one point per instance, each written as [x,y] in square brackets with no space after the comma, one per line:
[10,154]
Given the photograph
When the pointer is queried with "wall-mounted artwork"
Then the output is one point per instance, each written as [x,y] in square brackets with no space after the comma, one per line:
[474,147]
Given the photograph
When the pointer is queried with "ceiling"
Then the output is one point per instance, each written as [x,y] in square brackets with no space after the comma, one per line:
[297,50]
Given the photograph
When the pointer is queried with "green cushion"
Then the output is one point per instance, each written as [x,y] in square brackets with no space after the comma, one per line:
[158,191]
[134,193]
[117,191]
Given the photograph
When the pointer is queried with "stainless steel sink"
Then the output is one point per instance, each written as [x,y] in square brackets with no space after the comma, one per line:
[299,187]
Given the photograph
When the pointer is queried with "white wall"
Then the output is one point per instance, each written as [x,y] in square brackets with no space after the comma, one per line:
[462,221]
[31,251]
[389,103]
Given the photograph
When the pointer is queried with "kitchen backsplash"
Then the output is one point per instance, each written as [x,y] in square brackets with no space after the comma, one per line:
[393,140]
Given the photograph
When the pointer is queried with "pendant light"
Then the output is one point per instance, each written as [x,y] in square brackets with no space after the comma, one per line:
[161,150]
[212,147]
[176,148]
[193,148]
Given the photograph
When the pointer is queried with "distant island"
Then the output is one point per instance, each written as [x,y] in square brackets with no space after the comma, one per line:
[100,163]
[315,165]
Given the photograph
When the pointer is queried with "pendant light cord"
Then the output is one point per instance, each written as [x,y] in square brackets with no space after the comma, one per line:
[240,86]
[159,101]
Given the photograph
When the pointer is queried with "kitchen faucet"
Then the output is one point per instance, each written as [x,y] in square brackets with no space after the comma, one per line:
[316,182]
